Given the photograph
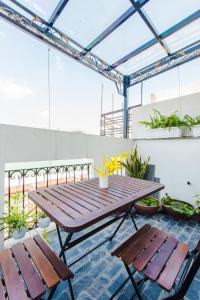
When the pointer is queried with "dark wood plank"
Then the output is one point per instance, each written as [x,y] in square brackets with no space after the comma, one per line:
[61,269]
[112,189]
[58,216]
[136,248]
[102,193]
[155,267]
[30,275]
[123,247]
[85,195]
[44,267]
[2,292]
[173,266]
[74,202]
[142,260]
[70,211]
[13,282]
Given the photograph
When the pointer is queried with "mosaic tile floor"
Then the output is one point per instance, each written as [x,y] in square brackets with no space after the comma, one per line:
[98,275]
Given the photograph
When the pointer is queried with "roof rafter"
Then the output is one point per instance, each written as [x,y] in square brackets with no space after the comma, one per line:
[178,58]
[118,22]
[150,26]
[56,13]
[55,39]
[163,35]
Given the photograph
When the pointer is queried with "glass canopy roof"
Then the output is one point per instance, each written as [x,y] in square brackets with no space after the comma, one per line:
[127,35]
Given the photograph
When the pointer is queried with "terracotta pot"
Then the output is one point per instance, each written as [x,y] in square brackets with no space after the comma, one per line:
[175,214]
[196,217]
[146,210]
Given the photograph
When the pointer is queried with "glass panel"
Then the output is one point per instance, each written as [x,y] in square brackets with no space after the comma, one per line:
[184,37]
[132,34]
[85,20]
[143,59]
[165,14]
[43,8]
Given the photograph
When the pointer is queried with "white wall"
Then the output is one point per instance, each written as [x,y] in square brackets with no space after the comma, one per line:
[177,160]
[24,144]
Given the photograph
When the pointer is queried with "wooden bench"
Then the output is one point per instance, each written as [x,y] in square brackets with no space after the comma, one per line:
[161,258]
[31,268]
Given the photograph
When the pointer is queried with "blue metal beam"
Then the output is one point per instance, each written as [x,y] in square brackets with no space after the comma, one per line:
[150,26]
[56,13]
[178,58]
[125,16]
[126,84]
[162,36]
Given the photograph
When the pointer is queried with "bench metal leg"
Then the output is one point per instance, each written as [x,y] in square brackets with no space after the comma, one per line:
[133,282]
[71,289]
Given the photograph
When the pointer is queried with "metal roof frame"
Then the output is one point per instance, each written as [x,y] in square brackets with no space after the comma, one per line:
[45,31]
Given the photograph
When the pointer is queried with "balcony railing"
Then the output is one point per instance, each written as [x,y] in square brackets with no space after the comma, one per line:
[25,180]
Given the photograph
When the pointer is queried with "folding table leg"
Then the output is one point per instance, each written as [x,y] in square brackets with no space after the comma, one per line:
[133,282]
[63,246]
[133,220]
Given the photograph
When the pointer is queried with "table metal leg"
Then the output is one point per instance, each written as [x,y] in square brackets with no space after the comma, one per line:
[63,246]
[133,220]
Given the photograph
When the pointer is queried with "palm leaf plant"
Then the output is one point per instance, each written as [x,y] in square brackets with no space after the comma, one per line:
[135,166]
[16,218]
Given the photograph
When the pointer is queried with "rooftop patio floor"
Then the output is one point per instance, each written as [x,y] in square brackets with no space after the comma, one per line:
[98,275]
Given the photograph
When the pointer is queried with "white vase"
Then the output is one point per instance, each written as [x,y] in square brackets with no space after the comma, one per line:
[19,234]
[44,222]
[103,182]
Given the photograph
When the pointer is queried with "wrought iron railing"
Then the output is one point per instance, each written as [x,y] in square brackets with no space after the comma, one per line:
[25,180]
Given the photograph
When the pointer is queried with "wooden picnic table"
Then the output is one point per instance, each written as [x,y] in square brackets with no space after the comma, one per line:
[76,206]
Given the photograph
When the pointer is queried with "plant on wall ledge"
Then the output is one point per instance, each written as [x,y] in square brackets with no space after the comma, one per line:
[162,121]
[135,166]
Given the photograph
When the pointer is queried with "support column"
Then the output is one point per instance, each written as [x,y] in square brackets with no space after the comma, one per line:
[2,179]
[125,94]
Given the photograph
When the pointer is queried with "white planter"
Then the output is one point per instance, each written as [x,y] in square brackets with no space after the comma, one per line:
[163,133]
[44,222]
[187,131]
[196,131]
[19,234]
[103,182]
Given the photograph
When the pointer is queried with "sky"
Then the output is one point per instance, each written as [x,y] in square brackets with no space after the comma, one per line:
[75,90]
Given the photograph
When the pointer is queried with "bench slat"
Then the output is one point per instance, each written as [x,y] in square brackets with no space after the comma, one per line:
[59,266]
[44,267]
[155,267]
[30,275]
[136,248]
[13,282]
[142,260]
[123,247]
[167,277]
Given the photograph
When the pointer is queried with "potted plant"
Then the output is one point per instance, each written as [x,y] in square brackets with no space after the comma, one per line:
[43,220]
[147,206]
[109,167]
[196,127]
[162,126]
[16,218]
[178,209]
[135,166]
[196,215]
